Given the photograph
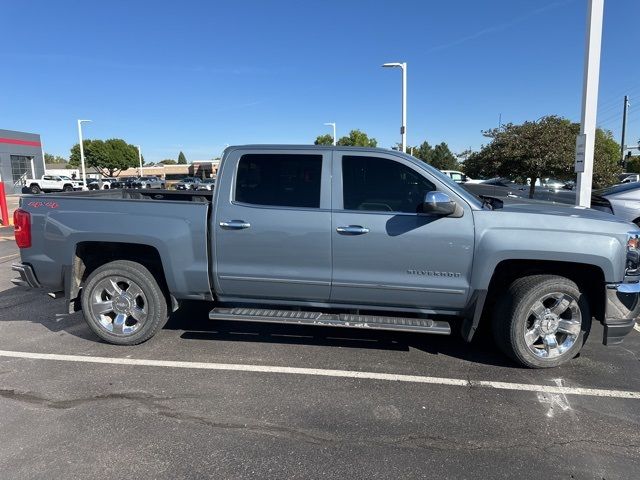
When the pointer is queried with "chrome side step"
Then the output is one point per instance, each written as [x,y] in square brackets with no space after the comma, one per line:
[404,324]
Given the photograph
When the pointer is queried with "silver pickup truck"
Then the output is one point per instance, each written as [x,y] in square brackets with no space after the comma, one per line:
[333,236]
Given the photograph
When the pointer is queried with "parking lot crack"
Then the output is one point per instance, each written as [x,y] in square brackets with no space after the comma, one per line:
[261,428]
[599,442]
[157,406]
[44,402]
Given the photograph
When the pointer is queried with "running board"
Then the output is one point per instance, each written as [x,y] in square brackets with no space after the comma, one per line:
[375,322]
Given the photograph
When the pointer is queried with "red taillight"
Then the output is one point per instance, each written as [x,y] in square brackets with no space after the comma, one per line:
[22,228]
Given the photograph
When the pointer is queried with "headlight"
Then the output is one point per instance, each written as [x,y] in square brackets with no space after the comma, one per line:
[633,254]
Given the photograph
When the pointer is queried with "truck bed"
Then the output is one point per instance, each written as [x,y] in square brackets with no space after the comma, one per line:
[174,225]
[133,194]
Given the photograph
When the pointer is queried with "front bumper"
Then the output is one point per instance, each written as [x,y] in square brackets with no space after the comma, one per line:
[27,276]
[621,310]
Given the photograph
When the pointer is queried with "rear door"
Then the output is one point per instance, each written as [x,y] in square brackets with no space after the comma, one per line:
[272,225]
[384,252]
[49,182]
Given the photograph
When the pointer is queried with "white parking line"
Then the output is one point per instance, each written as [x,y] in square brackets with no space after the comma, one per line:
[636,327]
[455,382]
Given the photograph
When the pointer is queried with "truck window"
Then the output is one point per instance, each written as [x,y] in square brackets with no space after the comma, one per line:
[379,184]
[279,180]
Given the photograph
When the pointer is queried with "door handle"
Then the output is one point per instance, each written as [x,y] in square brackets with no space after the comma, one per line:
[352,230]
[235,224]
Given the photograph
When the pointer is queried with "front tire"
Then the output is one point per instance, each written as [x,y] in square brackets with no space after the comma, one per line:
[542,321]
[123,303]
[67,188]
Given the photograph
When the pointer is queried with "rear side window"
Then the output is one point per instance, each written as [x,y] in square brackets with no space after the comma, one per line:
[283,180]
[379,184]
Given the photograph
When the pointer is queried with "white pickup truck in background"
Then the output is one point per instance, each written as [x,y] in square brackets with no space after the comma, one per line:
[52,183]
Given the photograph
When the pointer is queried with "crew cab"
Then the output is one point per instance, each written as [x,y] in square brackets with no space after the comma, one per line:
[52,183]
[336,236]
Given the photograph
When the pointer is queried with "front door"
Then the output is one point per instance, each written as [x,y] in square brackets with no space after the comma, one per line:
[272,228]
[384,252]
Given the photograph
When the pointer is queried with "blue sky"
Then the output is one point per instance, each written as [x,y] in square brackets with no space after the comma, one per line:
[194,76]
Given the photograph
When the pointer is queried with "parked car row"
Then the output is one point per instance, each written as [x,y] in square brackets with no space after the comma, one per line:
[62,183]
[188,183]
[622,200]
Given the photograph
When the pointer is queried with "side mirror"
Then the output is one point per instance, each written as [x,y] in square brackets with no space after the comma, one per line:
[438,203]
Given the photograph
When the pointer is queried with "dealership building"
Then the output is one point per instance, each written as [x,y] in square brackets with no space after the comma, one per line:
[20,157]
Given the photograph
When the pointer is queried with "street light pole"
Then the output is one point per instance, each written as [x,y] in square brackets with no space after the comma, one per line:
[403,128]
[332,124]
[139,158]
[585,143]
[624,128]
[84,172]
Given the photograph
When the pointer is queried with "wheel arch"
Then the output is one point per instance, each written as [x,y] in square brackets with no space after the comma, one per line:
[589,278]
[90,255]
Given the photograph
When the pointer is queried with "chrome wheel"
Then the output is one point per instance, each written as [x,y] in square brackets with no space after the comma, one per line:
[118,305]
[553,325]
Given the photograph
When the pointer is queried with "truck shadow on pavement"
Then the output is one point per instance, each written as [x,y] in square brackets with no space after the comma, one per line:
[20,304]
[193,320]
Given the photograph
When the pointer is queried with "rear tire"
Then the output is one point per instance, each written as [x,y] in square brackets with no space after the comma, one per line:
[542,321]
[35,189]
[123,304]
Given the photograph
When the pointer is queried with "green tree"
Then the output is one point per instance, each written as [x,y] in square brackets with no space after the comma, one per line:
[545,148]
[442,158]
[606,158]
[182,160]
[109,157]
[167,161]
[424,152]
[357,138]
[323,140]
[50,159]
[633,164]
[439,156]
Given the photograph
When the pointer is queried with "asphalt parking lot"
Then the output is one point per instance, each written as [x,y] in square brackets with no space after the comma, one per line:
[241,400]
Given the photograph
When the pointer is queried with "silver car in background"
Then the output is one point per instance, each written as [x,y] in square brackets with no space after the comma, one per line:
[188,183]
[622,200]
[207,184]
